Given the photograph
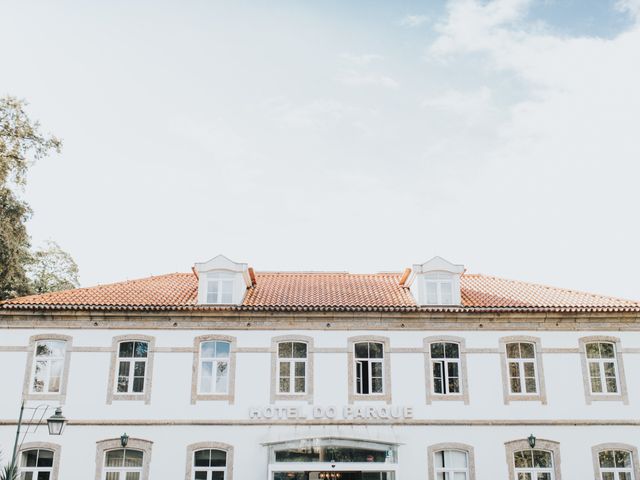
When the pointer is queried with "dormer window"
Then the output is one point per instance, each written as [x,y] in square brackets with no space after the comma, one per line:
[436,282]
[219,288]
[438,288]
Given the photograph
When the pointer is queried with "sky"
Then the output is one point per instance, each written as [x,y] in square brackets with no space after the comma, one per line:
[356,136]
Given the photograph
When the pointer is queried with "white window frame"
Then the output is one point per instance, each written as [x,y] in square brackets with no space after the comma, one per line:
[634,470]
[35,470]
[600,361]
[122,470]
[520,361]
[48,360]
[209,470]
[449,472]
[616,470]
[439,280]
[196,378]
[215,360]
[445,369]
[358,361]
[131,361]
[534,471]
[221,280]
[292,364]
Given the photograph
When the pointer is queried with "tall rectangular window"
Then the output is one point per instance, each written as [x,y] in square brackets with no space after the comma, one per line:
[369,366]
[214,367]
[219,288]
[521,365]
[602,366]
[132,367]
[292,367]
[445,367]
[48,366]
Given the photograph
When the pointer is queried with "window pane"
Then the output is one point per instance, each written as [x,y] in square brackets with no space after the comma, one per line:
[285,384]
[141,349]
[133,458]
[29,458]
[523,459]
[609,369]
[126,349]
[139,369]
[530,385]
[123,369]
[45,458]
[138,385]
[529,369]
[38,378]
[452,350]
[437,385]
[300,350]
[514,369]
[524,476]
[376,385]
[592,350]
[285,350]
[432,292]
[222,349]
[596,385]
[133,476]
[362,350]
[607,459]
[456,459]
[375,350]
[26,476]
[300,385]
[541,459]
[544,476]
[201,458]
[212,291]
[439,459]
[515,385]
[206,377]
[218,458]
[44,475]
[527,350]
[112,476]
[222,380]
[607,350]
[217,475]
[285,369]
[612,386]
[608,476]
[376,369]
[513,350]
[625,476]
[452,369]
[437,350]
[300,369]
[123,384]
[446,293]
[201,476]
[594,369]
[208,349]
[454,385]
[623,459]
[114,458]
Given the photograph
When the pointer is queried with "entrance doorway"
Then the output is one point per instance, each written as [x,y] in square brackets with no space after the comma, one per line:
[333,476]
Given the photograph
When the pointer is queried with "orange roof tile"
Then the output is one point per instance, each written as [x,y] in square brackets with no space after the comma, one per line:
[322,292]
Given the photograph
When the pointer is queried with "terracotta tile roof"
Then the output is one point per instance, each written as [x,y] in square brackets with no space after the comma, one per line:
[322,292]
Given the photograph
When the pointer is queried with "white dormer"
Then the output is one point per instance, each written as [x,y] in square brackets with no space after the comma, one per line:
[436,282]
[222,281]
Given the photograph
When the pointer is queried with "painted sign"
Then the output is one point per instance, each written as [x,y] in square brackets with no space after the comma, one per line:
[347,412]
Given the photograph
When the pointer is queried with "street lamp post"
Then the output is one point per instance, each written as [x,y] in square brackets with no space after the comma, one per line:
[55,424]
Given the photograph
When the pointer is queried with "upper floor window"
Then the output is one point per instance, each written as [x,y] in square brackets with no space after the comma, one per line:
[209,464]
[36,464]
[292,368]
[521,365]
[616,465]
[451,465]
[533,465]
[369,366]
[132,367]
[123,464]
[219,288]
[214,367]
[48,366]
[445,365]
[438,288]
[602,365]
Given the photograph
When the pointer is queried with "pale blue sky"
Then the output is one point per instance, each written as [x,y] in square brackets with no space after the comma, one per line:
[360,136]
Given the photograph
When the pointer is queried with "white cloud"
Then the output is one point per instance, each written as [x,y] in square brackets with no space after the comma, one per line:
[472,105]
[359,79]
[361,60]
[413,20]
[632,7]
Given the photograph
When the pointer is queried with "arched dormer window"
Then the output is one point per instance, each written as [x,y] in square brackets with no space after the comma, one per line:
[436,282]
[222,281]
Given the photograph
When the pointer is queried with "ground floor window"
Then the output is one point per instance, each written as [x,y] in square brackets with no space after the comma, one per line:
[36,465]
[209,464]
[533,465]
[615,465]
[451,465]
[123,464]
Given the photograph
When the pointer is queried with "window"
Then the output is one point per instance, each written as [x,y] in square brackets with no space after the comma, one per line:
[521,360]
[132,367]
[451,465]
[209,464]
[438,288]
[601,361]
[214,367]
[123,464]
[533,465]
[220,288]
[292,368]
[615,465]
[369,368]
[445,365]
[48,366]
[36,464]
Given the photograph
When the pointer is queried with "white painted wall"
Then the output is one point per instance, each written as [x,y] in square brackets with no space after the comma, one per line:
[170,399]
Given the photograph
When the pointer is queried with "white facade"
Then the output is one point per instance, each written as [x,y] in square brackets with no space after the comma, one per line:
[482,418]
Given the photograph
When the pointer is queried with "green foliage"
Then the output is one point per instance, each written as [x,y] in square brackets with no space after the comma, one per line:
[8,473]
[22,143]
[52,269]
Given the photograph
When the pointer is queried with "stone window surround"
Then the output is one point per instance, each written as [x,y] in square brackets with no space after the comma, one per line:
[464,384]
[26,389]
[54,447]
[112,395]
[195,370]
[103,446]
[541,396]
[623,394]
[541,444]
[386,362]
[275,394]
[468,449]
[194,447]
[596,449]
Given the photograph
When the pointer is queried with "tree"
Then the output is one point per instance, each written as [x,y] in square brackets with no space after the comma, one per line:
[21,144]
[52,269]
